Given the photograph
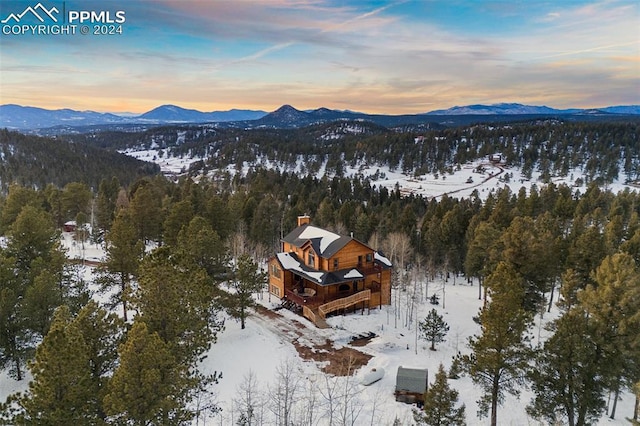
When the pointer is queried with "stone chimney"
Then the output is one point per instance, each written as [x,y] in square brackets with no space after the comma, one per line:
[305,219]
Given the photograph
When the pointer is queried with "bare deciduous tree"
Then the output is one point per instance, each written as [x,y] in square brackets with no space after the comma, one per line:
[283,392]
[249,402]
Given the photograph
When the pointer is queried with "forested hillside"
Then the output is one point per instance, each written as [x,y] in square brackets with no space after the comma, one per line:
[600,150]
[207,234]
[36,162]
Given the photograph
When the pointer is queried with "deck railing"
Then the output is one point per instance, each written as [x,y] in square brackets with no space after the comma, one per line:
[300,300]
[344,303]
[308,313]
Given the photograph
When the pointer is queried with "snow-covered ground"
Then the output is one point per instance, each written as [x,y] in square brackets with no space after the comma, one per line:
[261,349]
[480,175]
[258,349]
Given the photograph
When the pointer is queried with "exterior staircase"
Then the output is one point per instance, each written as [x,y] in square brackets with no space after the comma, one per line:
[320,322]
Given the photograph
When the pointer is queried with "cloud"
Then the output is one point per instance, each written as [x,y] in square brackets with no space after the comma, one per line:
[399,57]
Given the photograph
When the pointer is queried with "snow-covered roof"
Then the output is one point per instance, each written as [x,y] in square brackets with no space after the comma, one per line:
[325,243]
[353,274]
[326,237]
[380,258]
[290,262]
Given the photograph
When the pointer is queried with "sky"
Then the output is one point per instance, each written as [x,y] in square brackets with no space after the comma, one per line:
[391,57]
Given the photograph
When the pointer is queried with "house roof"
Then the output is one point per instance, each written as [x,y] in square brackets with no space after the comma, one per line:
[325,243]
[411,380]
[291,262]
[382,260]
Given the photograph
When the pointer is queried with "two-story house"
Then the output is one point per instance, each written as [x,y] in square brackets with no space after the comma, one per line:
[322,272]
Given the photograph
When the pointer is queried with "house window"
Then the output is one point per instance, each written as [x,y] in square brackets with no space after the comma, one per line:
[312,260]
[369,257]
[275,290]
[335,264]
[359,260]
[344,287]
[275,271]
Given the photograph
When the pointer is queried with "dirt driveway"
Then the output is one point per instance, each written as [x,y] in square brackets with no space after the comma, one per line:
[311,345]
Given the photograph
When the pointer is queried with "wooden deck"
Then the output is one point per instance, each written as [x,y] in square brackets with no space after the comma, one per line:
[310,301]
[345,302]
[314,310]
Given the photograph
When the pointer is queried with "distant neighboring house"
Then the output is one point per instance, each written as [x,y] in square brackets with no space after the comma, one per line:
[69,226]
[411,385]
[321,272]
[496,158]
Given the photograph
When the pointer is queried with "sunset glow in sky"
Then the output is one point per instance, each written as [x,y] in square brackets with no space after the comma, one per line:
[395,57]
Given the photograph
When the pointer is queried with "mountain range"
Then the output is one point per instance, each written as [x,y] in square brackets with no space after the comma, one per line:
[23,118]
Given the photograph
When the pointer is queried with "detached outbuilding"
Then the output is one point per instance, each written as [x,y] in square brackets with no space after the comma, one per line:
[411,385]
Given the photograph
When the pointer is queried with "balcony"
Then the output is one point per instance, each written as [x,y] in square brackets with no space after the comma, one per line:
[306,298]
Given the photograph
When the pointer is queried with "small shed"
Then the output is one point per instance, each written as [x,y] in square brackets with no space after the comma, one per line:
[411,385]
[69,226]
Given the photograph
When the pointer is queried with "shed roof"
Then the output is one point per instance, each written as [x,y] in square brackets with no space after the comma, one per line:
[411,380]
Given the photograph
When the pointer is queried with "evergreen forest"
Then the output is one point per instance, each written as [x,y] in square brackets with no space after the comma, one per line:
[176,245]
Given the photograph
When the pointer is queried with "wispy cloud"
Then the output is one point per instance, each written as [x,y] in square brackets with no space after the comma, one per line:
[397,57]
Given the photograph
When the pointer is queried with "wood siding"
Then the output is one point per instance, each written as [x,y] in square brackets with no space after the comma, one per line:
[353,255]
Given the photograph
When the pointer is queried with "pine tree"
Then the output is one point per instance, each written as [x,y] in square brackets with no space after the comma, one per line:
[177,303]
[530,249]
[124,252]
[31,237]
[477,261]
[613,305]
[145,211]
[247,280]
[14,336]
[586,252]
[149,386]
[440,404]
[200,246]
[105,211]
[567,378]
[501,353]
[179,215]
[32,265]
[433,328]
[61,388]
[75,198]
[40,301]
[17,198]
[70,370]
[102,332]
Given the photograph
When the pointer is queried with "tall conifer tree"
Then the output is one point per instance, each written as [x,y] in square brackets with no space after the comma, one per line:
[501,353]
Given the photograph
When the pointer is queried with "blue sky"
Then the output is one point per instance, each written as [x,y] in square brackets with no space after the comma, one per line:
[391,57]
